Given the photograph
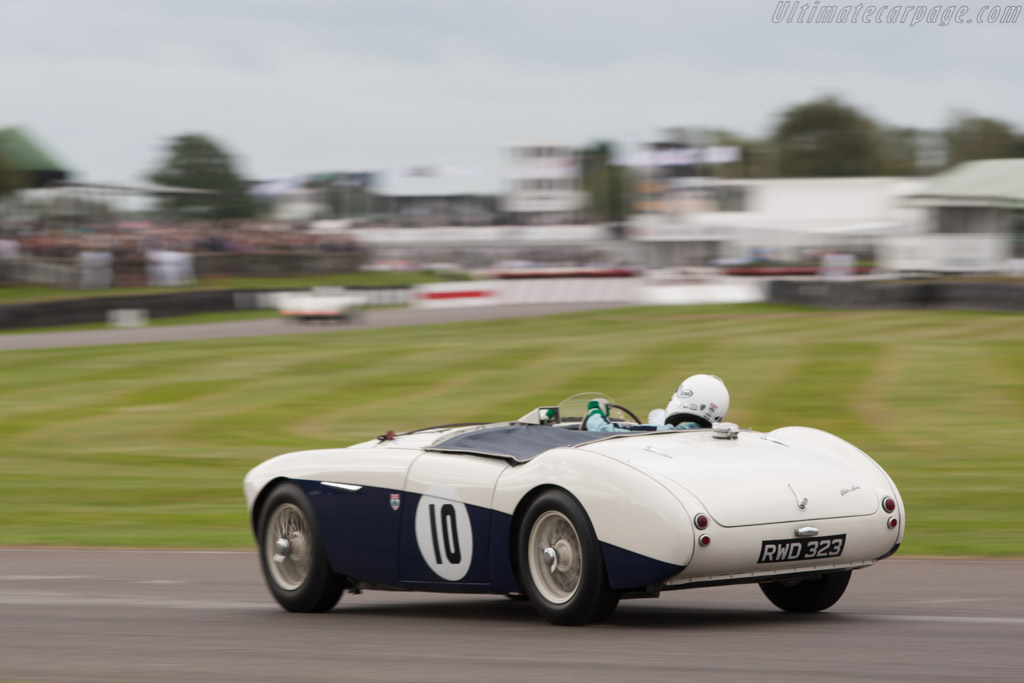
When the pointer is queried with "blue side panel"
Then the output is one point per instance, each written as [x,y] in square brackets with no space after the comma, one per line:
[627,569]
[369,540]
[503,580]
[360,530]
[416,573]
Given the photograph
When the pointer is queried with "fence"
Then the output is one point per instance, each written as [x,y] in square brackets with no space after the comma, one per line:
[80,273]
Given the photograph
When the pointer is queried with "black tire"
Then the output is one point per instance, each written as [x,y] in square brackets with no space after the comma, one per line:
[807,596]
[606,608]
[301,579]
[576,591]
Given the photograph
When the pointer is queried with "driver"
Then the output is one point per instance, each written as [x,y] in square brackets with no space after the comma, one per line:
[699,401]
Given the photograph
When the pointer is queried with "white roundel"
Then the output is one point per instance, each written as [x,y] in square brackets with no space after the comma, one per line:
[444,536]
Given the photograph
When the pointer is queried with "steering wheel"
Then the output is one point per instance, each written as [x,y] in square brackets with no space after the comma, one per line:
[627,411]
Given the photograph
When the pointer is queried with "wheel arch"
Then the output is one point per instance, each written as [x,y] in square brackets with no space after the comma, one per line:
[517,521]
[261,499]
[642,526]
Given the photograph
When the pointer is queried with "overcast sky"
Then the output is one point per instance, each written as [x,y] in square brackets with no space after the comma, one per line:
[315,85]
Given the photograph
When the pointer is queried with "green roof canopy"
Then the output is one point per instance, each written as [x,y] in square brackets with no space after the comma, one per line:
[20,154]
[992,182]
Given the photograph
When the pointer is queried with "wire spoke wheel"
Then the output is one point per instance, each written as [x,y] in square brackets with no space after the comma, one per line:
[561,568]
[287,546]
[293,555]
[556,557]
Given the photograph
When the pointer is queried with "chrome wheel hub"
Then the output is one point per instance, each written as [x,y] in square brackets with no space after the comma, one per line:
[551,558]
[287,547]
[555,557]
[282,548]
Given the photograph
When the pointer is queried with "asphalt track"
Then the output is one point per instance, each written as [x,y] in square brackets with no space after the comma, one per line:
[112,616]
[384,317]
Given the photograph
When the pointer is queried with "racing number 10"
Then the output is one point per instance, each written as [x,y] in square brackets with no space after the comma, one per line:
[449,533]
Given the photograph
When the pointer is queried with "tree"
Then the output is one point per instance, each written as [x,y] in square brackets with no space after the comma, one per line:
[197,162]
[604,182]
[976,137]
[900,153]
[744,167]
[826,137]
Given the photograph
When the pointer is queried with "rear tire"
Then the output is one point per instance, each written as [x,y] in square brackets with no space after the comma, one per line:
[292,553]
[807,596]
[560,562]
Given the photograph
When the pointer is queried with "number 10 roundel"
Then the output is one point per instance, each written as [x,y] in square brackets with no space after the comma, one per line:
[444,536]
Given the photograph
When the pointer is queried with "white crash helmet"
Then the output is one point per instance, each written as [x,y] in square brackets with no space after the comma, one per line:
[700,398]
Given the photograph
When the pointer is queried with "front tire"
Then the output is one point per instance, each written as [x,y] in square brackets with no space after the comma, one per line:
[560,562]
[292,553]
[807,596]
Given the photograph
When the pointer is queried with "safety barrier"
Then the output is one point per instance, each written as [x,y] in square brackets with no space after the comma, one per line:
[96,309]
[625,290]
[1007,295]
[543,290]
[1002,296]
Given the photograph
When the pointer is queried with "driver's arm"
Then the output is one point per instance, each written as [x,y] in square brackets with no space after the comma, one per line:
[597,421]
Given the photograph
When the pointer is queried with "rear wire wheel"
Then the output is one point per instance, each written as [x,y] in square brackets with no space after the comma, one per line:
[292,553]
[807,596]
[561,564]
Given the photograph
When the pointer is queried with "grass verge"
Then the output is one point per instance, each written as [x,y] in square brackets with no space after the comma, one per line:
[146,445]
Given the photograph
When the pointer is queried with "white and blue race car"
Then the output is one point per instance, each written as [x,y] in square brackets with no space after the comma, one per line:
[574,520]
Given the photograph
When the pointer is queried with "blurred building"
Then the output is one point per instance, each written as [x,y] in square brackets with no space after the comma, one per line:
[974,220]
[659,167]
[542,184]
[518,246]
[308,197]
[701,220]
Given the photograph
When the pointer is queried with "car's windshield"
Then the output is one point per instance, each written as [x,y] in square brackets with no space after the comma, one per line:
[574,408]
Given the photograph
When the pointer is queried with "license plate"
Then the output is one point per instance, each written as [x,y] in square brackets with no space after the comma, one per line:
[792,549]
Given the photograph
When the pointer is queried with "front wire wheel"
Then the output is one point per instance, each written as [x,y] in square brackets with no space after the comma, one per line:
[292,553]
[287,542]
[561,564]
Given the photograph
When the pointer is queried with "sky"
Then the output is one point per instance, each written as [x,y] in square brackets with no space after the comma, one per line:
[341,85]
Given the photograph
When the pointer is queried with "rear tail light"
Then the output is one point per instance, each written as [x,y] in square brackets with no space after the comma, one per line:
[704,540]
[888,504]
[892,523]
[700,521]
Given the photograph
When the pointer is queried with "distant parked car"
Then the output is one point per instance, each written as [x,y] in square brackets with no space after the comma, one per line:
[321,303]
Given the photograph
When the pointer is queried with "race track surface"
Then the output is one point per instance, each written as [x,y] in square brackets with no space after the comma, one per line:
[384,317]
[109,615]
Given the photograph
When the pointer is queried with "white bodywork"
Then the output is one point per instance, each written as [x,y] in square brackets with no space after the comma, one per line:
[642,492]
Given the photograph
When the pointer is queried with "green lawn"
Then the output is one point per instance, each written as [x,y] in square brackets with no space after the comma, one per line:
[19,293]
[146,445]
